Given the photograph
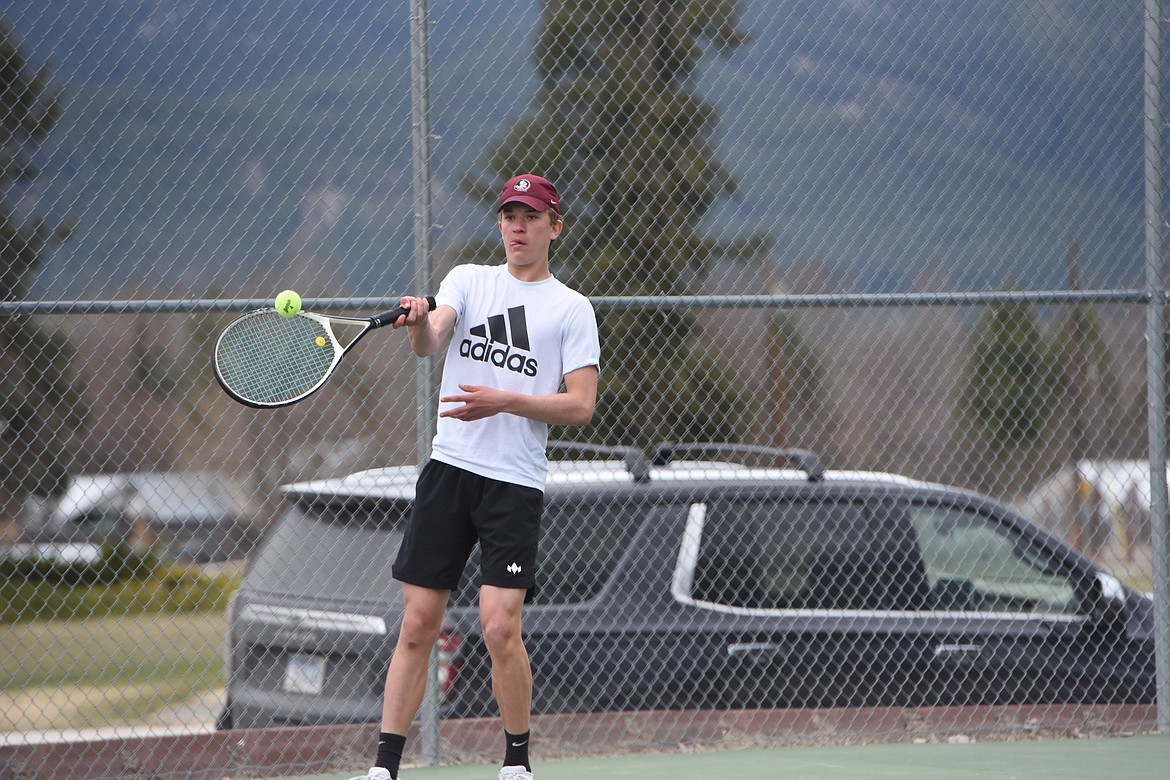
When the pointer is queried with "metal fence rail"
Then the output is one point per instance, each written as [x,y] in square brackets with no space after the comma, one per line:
[920,243]
[609,303]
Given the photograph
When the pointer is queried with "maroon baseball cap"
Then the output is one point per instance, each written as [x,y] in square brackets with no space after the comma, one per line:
[535,192]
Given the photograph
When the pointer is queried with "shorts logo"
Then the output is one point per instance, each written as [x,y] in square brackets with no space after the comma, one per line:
[514,568]
[495,346]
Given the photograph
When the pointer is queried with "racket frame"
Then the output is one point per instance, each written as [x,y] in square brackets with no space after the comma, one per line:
[339,350]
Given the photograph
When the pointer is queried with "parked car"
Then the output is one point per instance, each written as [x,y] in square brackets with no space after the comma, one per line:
[188,516]
[705,576]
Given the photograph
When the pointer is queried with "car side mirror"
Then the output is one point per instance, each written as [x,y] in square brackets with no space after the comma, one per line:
[1108,601]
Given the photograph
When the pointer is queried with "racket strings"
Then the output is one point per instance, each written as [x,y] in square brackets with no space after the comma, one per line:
[267,359]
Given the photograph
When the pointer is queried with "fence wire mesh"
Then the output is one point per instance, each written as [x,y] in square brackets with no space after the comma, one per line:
[777,207]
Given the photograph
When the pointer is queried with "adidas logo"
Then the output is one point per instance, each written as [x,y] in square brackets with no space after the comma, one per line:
[514,568]
[496,348]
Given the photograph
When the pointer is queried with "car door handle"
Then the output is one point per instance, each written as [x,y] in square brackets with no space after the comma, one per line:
[958,650]
[739,649]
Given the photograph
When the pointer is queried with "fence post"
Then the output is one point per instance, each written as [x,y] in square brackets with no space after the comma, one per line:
[420,109]
[1155,355]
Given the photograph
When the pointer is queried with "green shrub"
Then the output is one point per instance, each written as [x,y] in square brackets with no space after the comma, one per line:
[119,583]
[116,563]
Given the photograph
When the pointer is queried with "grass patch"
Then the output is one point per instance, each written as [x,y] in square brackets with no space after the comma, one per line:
[106,671]
[111,642]
[163,590]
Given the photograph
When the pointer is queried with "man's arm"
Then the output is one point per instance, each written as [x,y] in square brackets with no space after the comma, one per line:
[572,407]
[427,330]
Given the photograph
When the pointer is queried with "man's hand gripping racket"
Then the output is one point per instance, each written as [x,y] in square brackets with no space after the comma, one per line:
[265,360]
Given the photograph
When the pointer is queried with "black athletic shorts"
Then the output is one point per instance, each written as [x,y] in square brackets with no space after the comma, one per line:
[454,509]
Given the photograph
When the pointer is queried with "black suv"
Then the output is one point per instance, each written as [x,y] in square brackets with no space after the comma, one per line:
[713,576]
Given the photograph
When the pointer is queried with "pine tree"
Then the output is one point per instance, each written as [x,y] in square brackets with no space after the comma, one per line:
[40,406]
[620,127]
[1010,380]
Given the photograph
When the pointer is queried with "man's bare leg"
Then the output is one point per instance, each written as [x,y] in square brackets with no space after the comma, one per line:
[406,679]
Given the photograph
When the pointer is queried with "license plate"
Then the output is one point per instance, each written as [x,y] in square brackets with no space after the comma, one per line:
[304,674]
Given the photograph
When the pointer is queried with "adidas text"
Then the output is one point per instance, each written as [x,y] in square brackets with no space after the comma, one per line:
[502,356]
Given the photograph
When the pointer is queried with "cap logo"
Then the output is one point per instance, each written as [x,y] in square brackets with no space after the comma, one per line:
[522,186]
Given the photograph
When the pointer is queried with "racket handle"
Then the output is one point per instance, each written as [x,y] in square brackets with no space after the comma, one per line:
[387,317]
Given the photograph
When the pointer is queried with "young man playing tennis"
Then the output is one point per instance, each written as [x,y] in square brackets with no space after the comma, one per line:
[516,334]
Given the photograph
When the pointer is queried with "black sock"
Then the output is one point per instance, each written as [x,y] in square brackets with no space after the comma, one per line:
[516,750]
[390,752]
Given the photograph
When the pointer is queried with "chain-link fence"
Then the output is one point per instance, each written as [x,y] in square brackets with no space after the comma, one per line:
[918,239]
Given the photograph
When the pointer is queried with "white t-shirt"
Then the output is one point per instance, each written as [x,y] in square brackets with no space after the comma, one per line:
[512,335]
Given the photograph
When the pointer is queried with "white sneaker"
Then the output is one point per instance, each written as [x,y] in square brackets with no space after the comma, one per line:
[375,773]
[515,773]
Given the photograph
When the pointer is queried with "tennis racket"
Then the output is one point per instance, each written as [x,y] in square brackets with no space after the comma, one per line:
[264,360]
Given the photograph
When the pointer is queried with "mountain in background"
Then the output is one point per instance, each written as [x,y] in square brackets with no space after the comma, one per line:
[240,146]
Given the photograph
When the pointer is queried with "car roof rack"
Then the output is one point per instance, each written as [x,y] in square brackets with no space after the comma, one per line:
[804,460]
[633,458]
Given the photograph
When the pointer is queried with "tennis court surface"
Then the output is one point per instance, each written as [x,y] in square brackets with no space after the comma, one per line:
[1142,756]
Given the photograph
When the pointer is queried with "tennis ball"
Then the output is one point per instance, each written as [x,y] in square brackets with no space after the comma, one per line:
[288,303]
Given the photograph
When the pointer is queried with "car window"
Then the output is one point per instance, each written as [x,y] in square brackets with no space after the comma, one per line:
[810,554]
[98,519]
[974,564]
[581,543]
[328,551]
